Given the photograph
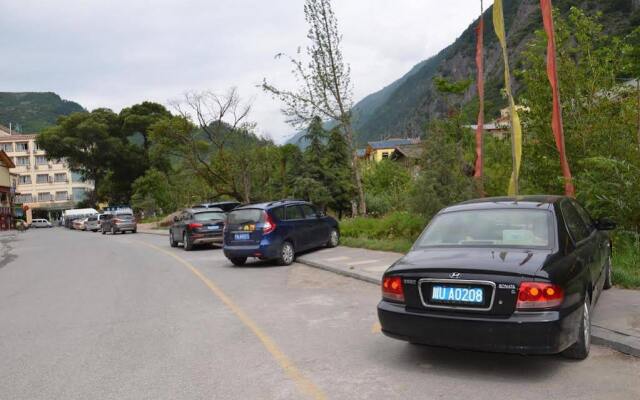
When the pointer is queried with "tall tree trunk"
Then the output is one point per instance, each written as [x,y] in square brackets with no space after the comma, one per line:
[362,205]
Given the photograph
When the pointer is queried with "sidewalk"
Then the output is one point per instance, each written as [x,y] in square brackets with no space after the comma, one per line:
[616,319]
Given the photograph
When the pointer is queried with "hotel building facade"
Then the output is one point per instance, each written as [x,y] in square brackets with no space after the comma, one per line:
[44,187]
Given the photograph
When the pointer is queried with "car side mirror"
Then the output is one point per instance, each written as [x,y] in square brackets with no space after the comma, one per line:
[605,224]
[321,214]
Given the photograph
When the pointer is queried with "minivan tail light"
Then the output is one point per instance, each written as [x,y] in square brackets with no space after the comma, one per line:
[268,226]
[539,295]
[392,288]
[194,226]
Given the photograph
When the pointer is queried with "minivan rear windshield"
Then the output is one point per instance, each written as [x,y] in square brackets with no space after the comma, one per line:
[124,216]
[208,216]
[245,216]
[490,228]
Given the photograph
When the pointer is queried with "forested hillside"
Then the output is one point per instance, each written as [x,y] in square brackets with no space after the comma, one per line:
[404,107]
[31,111]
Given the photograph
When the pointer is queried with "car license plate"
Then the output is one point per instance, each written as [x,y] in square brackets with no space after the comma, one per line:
[242,236]
[453,294]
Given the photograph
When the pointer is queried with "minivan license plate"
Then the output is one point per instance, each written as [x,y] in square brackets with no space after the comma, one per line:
[241,236]
[452,294]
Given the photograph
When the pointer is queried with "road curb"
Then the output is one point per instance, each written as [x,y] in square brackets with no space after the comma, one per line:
[339,271]
[626,344]
[618,341]
[160,233]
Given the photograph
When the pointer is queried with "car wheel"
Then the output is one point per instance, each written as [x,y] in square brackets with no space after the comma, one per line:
[580,349]
[238,260]
[334,238]
[608,280]
[103,231]
[186,243]
[135,230]
[287,254]
[113,230]
[172,242]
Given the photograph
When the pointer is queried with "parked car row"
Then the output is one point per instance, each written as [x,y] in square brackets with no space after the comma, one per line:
[116,220]
[500,274]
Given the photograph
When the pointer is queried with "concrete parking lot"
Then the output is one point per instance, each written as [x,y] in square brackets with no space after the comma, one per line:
[127,317]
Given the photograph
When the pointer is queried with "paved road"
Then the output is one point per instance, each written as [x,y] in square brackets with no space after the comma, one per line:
[83,316]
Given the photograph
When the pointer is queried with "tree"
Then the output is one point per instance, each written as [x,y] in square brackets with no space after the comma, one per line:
[89,142]
[443,178]
[152,193]
[218,148]
[138,118]
[337,162]
[326,89]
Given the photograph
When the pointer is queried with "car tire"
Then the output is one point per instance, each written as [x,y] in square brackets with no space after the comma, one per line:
[287,254]
[186,243]
[172,242]
[608,280]
[580,349]
[103,231]
[238,261]
[334,238]
[135,230]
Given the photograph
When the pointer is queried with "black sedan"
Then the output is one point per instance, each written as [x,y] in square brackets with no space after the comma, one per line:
[197,226]
[515,275]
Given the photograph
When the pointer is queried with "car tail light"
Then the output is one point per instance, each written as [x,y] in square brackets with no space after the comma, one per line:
[118,221]
[392,288]
[194,225]
[535,295]
[268,226]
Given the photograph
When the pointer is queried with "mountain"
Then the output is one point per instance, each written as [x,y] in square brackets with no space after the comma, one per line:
[33,111]
[405,107]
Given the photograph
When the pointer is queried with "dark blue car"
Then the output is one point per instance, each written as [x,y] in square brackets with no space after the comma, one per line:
[277,231]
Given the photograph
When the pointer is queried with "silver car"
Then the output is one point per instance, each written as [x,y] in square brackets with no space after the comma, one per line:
[41,223]
[93,222]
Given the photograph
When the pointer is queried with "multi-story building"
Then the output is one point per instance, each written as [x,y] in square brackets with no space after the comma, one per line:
[44,188]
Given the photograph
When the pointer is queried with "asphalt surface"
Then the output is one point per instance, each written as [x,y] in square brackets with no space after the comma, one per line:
[87,316]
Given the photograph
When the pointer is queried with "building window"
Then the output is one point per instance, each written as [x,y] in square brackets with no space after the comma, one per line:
[61,177]
[22,146]
[24,161]
[42,178]
[79,194]
[62,196]
[41,160]
[7,147]
[76,177]
[385,154]
[24,180]
[45,196]
[24,198]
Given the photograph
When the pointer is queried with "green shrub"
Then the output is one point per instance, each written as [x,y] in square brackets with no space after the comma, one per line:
[396,225]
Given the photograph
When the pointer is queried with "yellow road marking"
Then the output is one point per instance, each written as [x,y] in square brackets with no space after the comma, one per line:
[376,328]
[286,364]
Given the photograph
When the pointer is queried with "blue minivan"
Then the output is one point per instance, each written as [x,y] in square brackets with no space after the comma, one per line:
[277,231]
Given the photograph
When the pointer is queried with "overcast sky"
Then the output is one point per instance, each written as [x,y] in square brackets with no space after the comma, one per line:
[115,53]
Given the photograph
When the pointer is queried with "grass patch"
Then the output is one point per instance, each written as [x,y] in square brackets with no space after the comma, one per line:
[395,245]
[626,260]
[394,232]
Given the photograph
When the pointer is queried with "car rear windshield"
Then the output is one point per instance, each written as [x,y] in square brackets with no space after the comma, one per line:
[208,216]
[489,228]
[245,216]
[124,216]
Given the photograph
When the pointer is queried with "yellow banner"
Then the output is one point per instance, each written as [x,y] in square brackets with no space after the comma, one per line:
[516,128]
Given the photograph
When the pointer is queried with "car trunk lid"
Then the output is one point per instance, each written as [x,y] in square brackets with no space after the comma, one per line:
[244,227]
[446,280]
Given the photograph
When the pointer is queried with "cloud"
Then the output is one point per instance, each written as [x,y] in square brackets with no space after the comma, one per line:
[116,53]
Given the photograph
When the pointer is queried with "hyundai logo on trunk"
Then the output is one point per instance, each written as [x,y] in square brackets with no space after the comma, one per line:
[455,275]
